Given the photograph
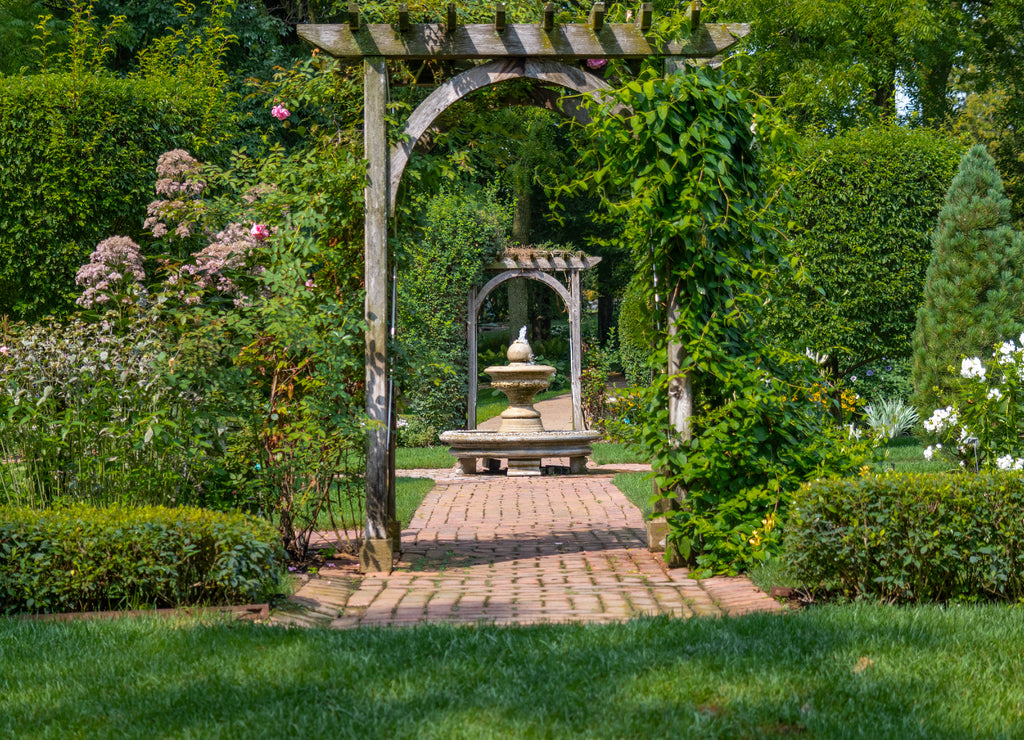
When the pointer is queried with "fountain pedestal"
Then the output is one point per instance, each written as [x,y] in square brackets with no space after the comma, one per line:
[521,438]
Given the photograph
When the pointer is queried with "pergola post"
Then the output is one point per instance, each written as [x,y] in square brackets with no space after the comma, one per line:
[576,349]
[472,371]
[378,544]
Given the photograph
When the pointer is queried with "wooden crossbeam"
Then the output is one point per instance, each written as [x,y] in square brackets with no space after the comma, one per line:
[479,41]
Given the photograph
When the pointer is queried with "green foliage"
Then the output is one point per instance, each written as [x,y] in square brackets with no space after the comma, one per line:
[834,65]
[597,365]
[911,538]
[637,331]
[982,424]
[754,446]
[458,234]
[78,155]
[890,418]
[270,337]
[682,174]
[974,281]
[861,219]
[81,558]
[85,417]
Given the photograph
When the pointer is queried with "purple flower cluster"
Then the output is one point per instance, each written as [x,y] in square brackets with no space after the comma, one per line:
[114,271]
[177,181]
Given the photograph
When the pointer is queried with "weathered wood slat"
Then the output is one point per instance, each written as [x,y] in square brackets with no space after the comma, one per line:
[481,41]
[375,276]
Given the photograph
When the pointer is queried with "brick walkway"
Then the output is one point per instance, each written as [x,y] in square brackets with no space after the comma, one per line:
[522,551]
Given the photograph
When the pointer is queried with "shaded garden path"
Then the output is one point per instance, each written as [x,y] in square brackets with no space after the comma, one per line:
[521,551]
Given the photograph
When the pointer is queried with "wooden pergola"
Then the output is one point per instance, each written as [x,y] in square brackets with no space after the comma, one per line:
[544,51]
[535,264]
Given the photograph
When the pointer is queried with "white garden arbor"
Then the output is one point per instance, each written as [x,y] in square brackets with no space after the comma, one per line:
[545,52]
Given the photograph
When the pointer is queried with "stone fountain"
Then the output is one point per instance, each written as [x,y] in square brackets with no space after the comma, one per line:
[521,438]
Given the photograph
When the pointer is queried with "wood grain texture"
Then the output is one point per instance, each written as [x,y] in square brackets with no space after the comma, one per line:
[482,41]
[379,494]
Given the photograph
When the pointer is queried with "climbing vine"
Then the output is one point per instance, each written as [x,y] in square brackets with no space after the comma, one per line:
[675,162]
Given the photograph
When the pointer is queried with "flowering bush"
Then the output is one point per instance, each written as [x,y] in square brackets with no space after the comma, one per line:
[114,272]
[981,425]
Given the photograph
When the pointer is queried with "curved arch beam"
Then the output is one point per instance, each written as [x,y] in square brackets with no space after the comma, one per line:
[512,275]
[461,85]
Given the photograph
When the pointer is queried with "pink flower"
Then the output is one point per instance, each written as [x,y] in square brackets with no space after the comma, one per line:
[280,112]
[310,284]
[596,63]
[259,232]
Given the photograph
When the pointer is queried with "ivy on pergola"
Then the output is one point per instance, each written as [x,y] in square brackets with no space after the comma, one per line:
[540,51]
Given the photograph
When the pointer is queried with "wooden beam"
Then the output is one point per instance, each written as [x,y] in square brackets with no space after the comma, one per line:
[452,21]
[646,17]
[375,276]
[694,13]
[479,41]
[597,18]
[499,18]
[353,17]
[549,16]
[403,18]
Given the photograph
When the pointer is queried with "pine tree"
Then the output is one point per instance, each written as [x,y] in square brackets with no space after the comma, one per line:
[974,287]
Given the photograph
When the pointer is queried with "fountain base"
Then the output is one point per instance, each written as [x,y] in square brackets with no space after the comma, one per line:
[524,450]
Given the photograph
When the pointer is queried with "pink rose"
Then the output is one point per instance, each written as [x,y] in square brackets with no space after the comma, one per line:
[596,63]
[259,232]
[280,112]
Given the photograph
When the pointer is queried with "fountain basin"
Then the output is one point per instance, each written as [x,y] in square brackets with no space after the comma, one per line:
[523,450]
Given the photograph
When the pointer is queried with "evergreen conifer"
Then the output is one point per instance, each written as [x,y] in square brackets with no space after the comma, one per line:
[974,287]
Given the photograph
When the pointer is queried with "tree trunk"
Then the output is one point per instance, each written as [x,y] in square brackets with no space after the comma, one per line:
[518,292]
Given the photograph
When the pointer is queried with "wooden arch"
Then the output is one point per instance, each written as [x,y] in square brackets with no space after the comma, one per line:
[518,44]
[485,75]
[571,298]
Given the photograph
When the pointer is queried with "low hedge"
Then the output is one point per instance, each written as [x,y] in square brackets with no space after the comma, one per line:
[911,538]
[83,558]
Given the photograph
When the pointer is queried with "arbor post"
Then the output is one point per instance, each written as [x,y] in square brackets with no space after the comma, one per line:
[379,544]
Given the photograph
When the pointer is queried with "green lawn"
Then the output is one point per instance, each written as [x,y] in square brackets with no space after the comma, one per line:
[827,672]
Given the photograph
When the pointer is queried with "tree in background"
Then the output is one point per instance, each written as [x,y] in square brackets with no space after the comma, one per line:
[863,204]
[973,288]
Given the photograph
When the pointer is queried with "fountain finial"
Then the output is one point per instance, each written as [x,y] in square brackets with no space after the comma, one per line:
[519,351]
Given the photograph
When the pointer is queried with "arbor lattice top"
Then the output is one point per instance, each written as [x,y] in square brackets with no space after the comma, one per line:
[546,39]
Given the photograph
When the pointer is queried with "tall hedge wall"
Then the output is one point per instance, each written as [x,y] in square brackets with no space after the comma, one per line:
[77,158]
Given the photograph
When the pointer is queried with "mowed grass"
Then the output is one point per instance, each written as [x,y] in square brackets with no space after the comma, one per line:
[828,672]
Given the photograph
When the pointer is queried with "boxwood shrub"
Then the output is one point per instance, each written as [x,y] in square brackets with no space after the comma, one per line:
[911,538]
[83,558]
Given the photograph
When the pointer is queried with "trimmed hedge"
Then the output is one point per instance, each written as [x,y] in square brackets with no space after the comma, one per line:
[83,558]
[911,538]
[78,158]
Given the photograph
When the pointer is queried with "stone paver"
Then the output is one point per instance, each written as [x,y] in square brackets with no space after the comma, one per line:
[503,550]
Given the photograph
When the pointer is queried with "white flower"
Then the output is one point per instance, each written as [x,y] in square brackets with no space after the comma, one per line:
[1005,462]
[971,367]
[853,432]
[941,420]
[1005,352]
[928,452]
[995,394]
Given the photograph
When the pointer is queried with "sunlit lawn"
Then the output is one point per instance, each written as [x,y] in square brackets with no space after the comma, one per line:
[827,672]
